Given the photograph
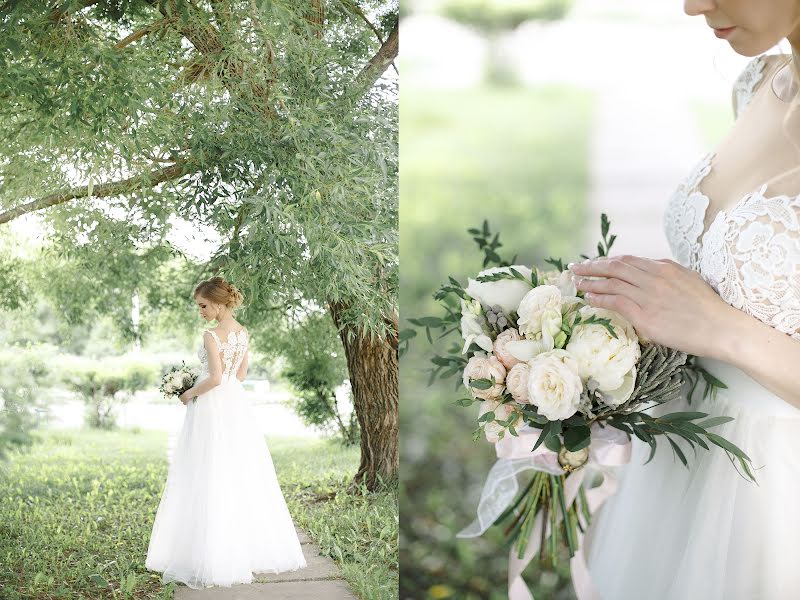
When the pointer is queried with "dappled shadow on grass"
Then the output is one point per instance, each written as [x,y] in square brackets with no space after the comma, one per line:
[78,509]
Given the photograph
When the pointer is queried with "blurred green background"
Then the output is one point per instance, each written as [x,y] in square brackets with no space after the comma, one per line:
[480,141]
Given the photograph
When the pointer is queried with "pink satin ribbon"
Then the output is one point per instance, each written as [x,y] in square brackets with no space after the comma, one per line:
[609,448]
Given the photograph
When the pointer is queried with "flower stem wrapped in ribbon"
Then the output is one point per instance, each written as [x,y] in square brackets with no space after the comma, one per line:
[562,387]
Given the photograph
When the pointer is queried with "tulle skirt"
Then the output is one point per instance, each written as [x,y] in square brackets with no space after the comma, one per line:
[222,516]
[707,533]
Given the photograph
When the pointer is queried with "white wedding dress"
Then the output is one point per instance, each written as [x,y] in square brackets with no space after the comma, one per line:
[706,533]
[222,516]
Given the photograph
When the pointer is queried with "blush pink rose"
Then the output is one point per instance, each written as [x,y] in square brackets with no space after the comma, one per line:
[500,350]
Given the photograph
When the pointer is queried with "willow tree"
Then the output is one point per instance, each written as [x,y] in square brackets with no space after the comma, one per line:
[273,122]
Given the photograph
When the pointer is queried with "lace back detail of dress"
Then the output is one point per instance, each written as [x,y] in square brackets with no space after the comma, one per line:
[232,352]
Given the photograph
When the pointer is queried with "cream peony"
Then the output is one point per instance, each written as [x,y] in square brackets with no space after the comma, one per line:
[502,352]
[609,361]
[502,412]
[485,367]
[517,383]
[540,312]
[506,293]
[554,385]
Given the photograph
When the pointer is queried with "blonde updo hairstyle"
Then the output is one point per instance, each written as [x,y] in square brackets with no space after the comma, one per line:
[220,291]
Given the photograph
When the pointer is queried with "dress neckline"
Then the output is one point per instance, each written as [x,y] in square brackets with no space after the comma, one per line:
[236,335]
[723,214]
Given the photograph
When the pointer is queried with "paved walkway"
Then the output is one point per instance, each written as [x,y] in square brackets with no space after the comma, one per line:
[320,580]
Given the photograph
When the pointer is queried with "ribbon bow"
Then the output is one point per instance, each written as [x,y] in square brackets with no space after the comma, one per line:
[609,447]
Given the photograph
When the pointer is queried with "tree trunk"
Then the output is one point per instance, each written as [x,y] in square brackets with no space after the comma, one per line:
[373,369]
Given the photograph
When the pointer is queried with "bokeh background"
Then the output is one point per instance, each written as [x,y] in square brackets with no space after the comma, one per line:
[536,115]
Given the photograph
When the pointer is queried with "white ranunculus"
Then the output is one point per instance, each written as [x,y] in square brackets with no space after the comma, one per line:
[539,311]
[506,293]
[472,328]
[500,347]
[517,383]
[554,385]
[602,357]
[502,412]
[485,367]
[177,379]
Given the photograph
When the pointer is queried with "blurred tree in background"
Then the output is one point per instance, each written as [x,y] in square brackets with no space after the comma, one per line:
[267,123]
[492,15]
[315,366]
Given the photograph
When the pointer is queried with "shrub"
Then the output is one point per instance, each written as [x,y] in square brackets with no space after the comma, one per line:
[107,383]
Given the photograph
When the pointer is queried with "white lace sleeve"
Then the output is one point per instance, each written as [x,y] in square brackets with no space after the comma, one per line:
[752,258]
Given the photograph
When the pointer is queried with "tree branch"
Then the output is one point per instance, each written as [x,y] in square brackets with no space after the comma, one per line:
[378,64]
[139,34]
[59,13]
[112,188]
[360,13]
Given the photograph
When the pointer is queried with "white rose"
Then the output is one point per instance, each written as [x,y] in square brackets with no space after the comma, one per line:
[502,412]
[472,328]
[177,379]
[563,280]
[517,383]
[525,350]
[609,361]
[554,385]
[540,312]
[506,293]
[485,367]
[500,347]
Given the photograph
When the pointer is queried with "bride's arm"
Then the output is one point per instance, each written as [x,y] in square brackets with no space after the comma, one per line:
[674,306]
[242,372]
[214,371]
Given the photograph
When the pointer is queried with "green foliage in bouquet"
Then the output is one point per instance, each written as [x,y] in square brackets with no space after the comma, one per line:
[662,374]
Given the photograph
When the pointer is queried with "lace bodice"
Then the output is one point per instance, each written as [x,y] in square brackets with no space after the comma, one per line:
[232,352]
[750,253]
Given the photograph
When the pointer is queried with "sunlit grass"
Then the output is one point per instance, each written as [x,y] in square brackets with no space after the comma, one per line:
[76,514]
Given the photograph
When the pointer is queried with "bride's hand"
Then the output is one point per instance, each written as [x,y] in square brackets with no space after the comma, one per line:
[184,398]
[666,302]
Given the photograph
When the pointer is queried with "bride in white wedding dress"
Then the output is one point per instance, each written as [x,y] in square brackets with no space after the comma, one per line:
[732,298]
[222,516]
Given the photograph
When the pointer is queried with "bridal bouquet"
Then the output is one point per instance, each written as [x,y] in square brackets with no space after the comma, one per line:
[178,380]
[562,387]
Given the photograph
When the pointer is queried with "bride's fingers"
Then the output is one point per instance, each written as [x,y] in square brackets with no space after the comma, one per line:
[613,286]
[618,267]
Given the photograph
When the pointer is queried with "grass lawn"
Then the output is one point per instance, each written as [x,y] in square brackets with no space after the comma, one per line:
[76,514]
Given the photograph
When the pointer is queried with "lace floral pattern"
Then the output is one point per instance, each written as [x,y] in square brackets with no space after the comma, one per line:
[232,352]
[683,219]
[745,85]
[751,257]
[750,254]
